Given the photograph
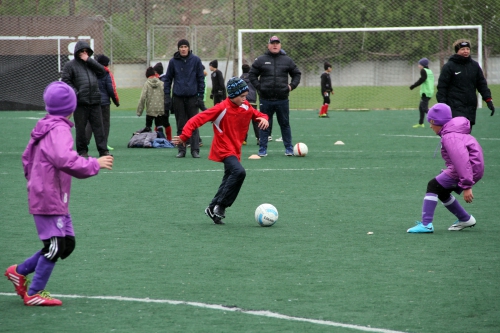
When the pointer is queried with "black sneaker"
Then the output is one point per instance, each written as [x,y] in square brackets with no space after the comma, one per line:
[105,153]
[84,154]
[220,211]
[209,213]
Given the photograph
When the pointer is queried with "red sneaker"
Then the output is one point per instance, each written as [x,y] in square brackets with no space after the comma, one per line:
[20,281]
[41,299]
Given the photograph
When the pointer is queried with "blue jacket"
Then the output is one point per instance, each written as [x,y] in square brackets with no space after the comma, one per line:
[186,75]
[107,90]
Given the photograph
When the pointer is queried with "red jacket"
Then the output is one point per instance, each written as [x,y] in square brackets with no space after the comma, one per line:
[230,124]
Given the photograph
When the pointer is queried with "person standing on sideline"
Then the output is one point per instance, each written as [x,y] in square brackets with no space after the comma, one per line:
[152,100]
[185,72]
[269,75]
[426,83]
[464,161]
[107,88]
[81,74]
[326,90]
[252,99]
[230,120]
[49,163]
[218,89]
[458,81]
[166,121]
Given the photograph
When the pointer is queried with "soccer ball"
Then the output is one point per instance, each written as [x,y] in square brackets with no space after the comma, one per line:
[266,215]
[300,149]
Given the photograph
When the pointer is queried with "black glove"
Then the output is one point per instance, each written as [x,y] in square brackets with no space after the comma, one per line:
[491,107]
[168,103]
[412,87]
[117,104]
[211,96]
[199,102]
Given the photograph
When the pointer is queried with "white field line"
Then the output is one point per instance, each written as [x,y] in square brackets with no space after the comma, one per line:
[261,313]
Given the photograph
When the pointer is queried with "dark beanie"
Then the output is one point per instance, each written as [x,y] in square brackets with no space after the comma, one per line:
[150,72]
[103,60]
[214,63]
[327,65]
[182,42]
[158,68]
[424,62]
[236,87]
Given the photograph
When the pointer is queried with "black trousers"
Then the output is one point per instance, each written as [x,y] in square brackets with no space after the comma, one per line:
[423,107]
[185,108]
[234,176]
[106,116]
[92,114]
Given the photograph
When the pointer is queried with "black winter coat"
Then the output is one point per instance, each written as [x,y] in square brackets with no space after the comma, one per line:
[82,76]
[457,84]
[269,75]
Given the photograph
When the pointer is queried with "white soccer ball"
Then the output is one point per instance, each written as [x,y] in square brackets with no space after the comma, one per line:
[266,215]
[300,149]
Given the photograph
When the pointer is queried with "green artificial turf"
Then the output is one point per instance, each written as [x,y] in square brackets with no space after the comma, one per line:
[142,234]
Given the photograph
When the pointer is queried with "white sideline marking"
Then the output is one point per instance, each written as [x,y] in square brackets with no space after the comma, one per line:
[262,313]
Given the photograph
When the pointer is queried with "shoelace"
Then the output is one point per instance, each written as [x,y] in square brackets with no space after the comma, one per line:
[45,294]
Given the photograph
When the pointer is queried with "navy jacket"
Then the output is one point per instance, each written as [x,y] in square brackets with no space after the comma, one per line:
[186,74]
[107,91]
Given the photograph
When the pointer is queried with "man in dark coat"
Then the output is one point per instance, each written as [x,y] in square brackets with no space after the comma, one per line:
[269,75]
[459,79]
[82,74]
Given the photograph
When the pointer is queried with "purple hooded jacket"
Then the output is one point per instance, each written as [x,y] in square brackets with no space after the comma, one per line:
[461,152]
[50,162]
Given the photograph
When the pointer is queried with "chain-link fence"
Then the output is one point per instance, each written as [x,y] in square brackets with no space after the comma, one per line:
[36,39]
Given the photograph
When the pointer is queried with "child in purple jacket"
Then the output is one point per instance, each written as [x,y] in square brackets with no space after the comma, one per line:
[464,161]
[49,163]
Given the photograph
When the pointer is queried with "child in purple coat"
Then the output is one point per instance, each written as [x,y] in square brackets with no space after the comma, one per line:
[49,163]
[464,161]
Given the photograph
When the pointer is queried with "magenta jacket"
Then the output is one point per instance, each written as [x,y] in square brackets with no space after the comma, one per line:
[461,152]
[50,162]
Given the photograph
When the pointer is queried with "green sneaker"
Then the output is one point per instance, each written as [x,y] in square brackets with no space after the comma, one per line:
[111,148]
[418,125]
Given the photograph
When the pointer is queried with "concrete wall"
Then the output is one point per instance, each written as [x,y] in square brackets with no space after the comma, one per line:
[390,73]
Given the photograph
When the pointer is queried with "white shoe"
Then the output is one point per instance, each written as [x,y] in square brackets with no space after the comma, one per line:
[459,225]
[280,139]
[269,138]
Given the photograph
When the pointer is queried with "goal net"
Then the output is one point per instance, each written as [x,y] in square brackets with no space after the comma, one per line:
[373,68]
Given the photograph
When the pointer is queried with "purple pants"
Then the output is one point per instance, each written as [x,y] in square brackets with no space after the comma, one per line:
[53,226]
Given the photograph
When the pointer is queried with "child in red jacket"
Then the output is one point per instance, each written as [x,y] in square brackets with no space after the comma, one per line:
[230,119]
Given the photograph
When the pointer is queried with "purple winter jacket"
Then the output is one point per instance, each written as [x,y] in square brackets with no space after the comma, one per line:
[461,152]
[50,162]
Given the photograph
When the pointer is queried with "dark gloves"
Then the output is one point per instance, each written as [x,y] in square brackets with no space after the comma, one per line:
[117,104]
[412,87]
[199,101]
[211,96]
[168,103]
[491,107]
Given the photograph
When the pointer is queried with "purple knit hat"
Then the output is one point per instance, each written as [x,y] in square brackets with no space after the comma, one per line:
[440,113]
[60,99]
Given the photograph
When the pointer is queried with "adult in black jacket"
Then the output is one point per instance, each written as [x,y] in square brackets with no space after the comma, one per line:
[269,75]
[81,74]
[459,79]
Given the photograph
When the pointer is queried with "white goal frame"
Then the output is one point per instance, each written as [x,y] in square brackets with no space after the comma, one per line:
[445,27]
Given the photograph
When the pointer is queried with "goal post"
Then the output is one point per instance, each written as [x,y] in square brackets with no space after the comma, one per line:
[372,67]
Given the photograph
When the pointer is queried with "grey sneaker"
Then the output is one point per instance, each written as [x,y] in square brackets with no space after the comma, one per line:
[219,211]
[459,225]
[280,139]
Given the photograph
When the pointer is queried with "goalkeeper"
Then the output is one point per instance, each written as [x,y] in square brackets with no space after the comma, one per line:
[459,79]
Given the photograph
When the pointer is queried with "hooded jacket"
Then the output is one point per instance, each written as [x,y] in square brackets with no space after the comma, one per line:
[457,84]
[186,73]
[461,152]
[269,75]
[82,76]
[49,163]
[230,125]
[152,97]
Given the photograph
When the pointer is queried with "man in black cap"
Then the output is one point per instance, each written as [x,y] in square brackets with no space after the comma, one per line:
[218,90]
[185,72]
[269,75]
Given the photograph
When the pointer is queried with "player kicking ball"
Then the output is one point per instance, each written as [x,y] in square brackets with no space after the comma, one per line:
[464,161]
[230,120]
